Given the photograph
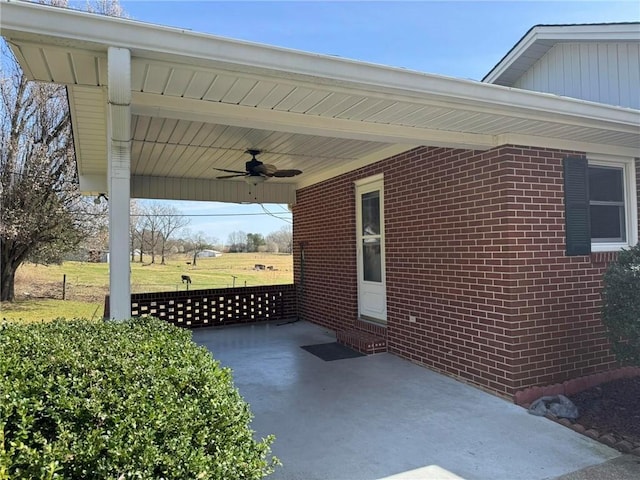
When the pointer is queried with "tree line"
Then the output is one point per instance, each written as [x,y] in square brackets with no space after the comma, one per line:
[158,230]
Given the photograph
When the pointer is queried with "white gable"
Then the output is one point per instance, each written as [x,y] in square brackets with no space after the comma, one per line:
[599,72]
[599,63]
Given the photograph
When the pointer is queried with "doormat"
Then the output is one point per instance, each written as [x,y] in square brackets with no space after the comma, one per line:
[332,351]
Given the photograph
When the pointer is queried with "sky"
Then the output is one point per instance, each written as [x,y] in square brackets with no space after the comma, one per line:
[462,39]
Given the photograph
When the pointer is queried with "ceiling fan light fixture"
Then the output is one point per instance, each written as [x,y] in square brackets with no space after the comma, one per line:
[254,179]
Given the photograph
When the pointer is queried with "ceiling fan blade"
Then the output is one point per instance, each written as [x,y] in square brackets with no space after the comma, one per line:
[286,173]
[232,176]
[267,169]
[229,171]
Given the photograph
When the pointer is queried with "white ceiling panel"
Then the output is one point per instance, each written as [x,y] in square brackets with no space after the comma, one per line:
[310,101]
[156,78]
[59,63]
[219,88]
[36,66]
[275,96]
[239,90]
[199,84]
[257,93]
[293,98]
[178,82]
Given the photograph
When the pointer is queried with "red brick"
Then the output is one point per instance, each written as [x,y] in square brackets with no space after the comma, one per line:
[475,251]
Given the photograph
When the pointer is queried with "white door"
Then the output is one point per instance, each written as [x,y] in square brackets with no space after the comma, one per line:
[372,295]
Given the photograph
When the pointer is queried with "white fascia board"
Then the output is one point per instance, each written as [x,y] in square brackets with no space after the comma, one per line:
[516,52]
[621,32]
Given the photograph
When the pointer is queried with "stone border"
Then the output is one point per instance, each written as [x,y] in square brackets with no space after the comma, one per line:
[570,387]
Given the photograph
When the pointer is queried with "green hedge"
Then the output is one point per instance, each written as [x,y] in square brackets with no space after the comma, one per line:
[119,400]
[621,305]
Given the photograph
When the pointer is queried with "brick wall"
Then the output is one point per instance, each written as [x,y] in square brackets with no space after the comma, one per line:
[556,326]
[475,251]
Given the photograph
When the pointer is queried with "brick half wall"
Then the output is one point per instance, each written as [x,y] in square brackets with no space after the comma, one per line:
[217,306]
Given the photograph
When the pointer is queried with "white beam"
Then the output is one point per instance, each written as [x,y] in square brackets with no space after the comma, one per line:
[231,191]
[179,108]
[563,144]
[119,128]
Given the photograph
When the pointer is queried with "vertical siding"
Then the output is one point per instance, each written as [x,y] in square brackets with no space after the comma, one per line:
[600,72]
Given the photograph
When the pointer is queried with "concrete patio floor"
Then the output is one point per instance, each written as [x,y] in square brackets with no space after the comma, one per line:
[381,417]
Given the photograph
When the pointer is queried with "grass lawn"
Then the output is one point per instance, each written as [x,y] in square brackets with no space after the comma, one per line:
[45,309]
[39,288]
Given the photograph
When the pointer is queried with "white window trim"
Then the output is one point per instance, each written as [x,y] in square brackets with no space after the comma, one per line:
[630,200]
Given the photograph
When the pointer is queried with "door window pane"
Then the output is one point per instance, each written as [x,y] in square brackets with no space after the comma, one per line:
[371,213]
[371,260]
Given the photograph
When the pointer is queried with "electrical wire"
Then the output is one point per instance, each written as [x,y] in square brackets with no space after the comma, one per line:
[275,215]
[196,214]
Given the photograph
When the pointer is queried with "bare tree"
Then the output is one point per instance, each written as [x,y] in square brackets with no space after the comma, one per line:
[41,213]
[237,241]
[198,243]
[171,220]
[282,239]
[152,222]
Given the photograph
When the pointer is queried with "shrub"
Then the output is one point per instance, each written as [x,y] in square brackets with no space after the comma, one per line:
[119,400]
[621,305]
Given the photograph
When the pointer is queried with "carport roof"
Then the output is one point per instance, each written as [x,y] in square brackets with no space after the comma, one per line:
[199,101]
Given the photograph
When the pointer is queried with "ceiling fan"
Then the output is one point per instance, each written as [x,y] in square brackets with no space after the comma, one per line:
[256,171]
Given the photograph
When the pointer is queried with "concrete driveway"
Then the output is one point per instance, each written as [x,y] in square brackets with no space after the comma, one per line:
[381,417]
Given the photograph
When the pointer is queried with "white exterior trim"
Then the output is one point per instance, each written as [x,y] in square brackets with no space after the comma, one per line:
[630,200]
[376,309]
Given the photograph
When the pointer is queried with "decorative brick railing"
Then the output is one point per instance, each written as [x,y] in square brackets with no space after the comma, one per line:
[217,306]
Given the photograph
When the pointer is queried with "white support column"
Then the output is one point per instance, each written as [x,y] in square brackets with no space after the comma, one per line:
[119,143]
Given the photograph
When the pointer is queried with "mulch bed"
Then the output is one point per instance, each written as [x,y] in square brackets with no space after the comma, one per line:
[608,404]
[611,412]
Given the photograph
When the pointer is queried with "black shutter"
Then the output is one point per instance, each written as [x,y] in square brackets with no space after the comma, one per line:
[576,204]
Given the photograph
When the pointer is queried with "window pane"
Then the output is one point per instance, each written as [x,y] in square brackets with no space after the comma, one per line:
[371,261]
[607,223]
[371,213]
[606,184]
